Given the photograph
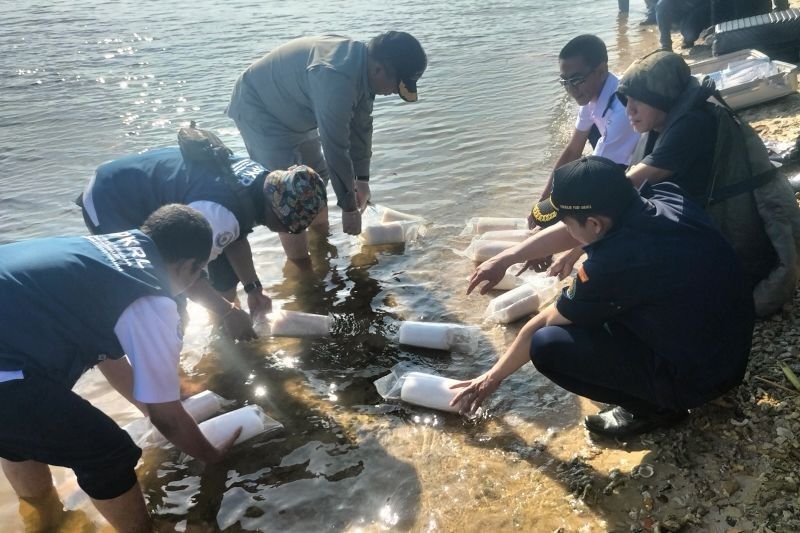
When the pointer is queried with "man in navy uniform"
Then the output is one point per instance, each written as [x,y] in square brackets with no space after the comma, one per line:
[659,318]
[125,191]
[72,303]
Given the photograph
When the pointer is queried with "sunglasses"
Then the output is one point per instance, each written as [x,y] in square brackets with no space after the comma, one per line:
[574,81]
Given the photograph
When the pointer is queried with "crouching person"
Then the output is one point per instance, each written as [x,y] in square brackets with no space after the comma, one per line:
[70,304]
[659,318]
[125,191]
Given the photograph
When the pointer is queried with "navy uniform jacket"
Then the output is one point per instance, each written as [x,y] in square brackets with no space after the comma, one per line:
[667,275]
[127,190]
[63,296]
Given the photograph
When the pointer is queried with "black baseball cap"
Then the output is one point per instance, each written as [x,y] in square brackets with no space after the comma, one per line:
[405,55]
[590,185]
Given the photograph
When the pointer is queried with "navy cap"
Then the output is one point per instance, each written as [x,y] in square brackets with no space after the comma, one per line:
[590,185]
[403,53]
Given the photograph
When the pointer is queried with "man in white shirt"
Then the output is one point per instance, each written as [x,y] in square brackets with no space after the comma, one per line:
[72,303]
[602,122]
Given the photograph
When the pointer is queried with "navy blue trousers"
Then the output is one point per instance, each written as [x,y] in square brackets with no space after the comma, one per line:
[606,364]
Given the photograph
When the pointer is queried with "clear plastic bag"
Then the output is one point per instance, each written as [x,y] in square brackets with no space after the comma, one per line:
[481,250]
[380,214]
[389,233]
[284,323]
[516,235]
[522,301]
[391,215]
[742,72]
[200,407]
[252,419]
[418,388]
[479,225]
[440,336]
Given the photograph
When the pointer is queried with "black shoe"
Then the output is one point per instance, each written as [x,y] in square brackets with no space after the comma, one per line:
[618,422]
[647,21]
[685,45]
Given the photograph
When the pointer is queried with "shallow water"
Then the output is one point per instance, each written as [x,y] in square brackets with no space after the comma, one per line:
[83,82]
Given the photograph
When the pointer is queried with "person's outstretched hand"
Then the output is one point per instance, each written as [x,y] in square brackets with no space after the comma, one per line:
[562,267]
[226,446]
[537,265]
[473,393]
[351,222]
[491,271]
[363,195]
[238,325]
[258,303]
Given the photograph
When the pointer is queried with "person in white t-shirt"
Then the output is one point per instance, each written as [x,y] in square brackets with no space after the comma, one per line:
[602,122]
[73,303]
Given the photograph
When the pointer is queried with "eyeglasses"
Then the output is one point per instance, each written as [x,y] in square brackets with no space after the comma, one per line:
[574,81]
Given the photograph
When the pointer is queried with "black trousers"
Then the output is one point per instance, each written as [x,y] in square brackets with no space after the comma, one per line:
[607,364]
[46,422]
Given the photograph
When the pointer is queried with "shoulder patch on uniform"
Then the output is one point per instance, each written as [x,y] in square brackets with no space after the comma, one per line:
[224,239]
[582,275]
[571,289]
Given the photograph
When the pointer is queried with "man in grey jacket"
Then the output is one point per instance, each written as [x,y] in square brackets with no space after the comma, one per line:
[314,95]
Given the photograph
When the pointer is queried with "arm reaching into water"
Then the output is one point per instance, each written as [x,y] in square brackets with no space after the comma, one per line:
[241,258]
[543,244]
[475,391]
[237,322]
[562,267]
[640,173]
[172,420]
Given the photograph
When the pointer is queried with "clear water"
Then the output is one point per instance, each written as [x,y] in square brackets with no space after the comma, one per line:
[84,82]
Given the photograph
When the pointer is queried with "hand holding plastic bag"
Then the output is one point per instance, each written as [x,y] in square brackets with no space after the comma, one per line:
[472,393]
[363,195]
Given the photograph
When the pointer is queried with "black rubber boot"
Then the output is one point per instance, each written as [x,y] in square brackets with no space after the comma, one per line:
[619,422]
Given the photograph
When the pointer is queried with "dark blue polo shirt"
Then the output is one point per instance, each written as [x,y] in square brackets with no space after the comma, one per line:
[127,190]
[666,274]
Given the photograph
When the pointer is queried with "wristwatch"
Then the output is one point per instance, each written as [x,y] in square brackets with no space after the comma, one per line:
[252,286]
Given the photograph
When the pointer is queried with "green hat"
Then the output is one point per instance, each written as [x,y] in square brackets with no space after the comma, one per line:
[657,79]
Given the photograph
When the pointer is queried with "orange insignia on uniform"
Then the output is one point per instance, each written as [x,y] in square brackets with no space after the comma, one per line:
[582,275]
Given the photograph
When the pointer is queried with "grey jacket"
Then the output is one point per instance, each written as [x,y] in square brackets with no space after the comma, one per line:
[314,83]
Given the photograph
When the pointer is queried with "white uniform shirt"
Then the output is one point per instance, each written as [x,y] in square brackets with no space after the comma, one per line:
[617,138]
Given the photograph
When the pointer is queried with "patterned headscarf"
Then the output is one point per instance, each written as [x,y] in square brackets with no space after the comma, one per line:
[297,196]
